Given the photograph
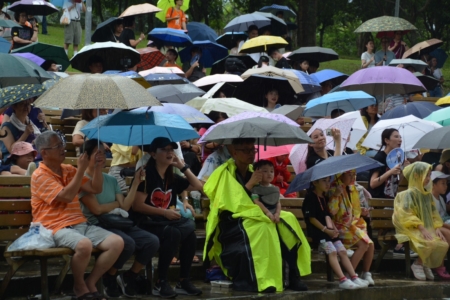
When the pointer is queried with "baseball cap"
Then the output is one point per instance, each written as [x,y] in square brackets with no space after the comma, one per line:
[22,148]
[445,156]
[438,174]
[161,142]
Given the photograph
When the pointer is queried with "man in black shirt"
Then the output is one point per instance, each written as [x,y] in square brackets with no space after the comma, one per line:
[282,62]
[24,35]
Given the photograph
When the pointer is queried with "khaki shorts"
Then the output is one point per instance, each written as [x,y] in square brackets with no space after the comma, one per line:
[70,236]
[72,33]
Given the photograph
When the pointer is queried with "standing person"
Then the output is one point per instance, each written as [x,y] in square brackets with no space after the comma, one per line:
[437,73]
[24,35]
[252,32]
[175,17]
[73,31]
[193,69]
[368,57]
[44,25]
[282,62]
[117,31]
[398,46]
[127,37]
[384,56]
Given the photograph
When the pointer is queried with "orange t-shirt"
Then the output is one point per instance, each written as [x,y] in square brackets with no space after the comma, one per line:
[45,187]
[167,64]
[176,23]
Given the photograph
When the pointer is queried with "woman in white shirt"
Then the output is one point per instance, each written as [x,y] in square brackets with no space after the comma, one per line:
[368,57]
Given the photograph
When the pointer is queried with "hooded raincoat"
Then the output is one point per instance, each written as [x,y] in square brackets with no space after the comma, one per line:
[415,207]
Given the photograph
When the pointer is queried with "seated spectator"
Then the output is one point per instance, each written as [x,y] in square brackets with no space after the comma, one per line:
[213,161]
[193,69]
[136,240]
[282,175]
[271,98]
[432,157]
[282,62]
[437,73]
[175,16]
[124,159]
[23,35]
[171,56]
[317,152]
[55,204]
[21,160]
[78,137]
[95,64]
[35,115]
[440,184]
[393,100]
[209,148]
[127,36]
[191,153]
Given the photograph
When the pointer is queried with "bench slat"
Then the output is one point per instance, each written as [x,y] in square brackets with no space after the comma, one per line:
[11,234]
[382,224]
[381,213]
[15,192]
[377,202]
[15,204]
[291,202]
[14,180]
[15,220]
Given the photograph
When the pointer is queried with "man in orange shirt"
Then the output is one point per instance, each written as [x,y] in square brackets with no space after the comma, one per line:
[171,56]
[175,17]
[54,201]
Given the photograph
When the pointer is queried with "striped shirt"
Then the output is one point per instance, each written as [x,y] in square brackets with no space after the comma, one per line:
[45,187]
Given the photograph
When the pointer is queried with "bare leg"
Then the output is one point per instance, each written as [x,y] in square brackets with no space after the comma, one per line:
[75,48]
[80,261]
[66,46]
[345,261]
[334,263]
[368,258]
[359,253]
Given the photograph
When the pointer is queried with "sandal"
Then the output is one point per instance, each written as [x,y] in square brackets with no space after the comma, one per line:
[175,261]
[97,296]
[195,260]
[87,296]
[442,272]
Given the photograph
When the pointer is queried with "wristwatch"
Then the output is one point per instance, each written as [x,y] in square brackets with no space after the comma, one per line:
[184,169]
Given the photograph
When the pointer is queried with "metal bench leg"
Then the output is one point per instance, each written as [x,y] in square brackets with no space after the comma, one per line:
[407,260]
[149,276]
[44,279]
[65,269]
[384,250]
[14,265]
[330,274]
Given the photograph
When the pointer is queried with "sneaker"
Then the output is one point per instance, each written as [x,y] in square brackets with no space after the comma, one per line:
[296,284]
[418,272]
[127,284]
[31,168]
[428,273]
[348,285]
[361,283]
[401,253]
[111,289]
[185,287]
[350,253]
[367,276]
[163,289]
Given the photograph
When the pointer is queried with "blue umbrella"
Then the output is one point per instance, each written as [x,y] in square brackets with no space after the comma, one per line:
[330,167]
[347,101]
[441,57]
[132,128]
[190,114]
[59,3]
[327,74]
[418,109]
[211,52]
[170,37]
[5,46]
[229,39]
[309,83]
[161,79]
[274,8]
[201,32]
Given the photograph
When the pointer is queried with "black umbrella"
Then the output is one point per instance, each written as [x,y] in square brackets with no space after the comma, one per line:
[318,54]
[219,66]
[429,82]
[105,31]
[229,39]
[163,79]
[33,7]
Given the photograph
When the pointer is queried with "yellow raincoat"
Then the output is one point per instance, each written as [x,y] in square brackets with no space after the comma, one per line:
[415,207]
[261,234]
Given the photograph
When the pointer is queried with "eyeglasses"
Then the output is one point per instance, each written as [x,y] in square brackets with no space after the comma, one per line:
[248,151]
[58,146]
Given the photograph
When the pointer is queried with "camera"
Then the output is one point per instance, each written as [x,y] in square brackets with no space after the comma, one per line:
[125,62]
[59,68]
[328,132]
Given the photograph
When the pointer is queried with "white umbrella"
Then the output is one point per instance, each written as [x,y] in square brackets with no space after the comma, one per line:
[162,70]
[230,106]
[213,79]
[417,64]
[293,112]
[358,129]
[410,128]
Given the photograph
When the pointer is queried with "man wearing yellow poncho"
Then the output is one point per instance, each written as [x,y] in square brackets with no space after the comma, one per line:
[417,220]
[246,244]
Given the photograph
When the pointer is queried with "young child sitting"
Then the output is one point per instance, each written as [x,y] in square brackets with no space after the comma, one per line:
[322,230]
[282,175]
[440,188]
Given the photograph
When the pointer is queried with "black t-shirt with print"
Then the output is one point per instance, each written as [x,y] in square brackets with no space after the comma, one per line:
[127,35]
[24,32]
[315,207]
[315,158]
[389,188]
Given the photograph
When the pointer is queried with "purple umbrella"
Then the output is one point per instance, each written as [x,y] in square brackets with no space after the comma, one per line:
[30,56]
[33,7]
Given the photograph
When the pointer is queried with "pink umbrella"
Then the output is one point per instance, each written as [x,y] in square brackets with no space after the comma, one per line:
[272,151]
[162,70]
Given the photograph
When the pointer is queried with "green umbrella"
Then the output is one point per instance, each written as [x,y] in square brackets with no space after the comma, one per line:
[47,52]
[15,70]
[385,23]
[441,116]
[8,24]
[166,4]
[13,94]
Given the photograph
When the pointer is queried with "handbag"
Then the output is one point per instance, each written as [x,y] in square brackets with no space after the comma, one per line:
[112,221]
[65,18]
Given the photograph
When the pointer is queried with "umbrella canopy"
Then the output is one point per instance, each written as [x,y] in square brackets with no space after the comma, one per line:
[140,9]
[273,151]
[418,109]
[327,74]
[230,39]
[14,94]
[262,43]
[309,83]
[418,65]
[293,112]
[346,101]
[133,75]
[385,23]
[441,116]
[150,58]
[5,46]
[139,128]
[219,66]
[443,101]
[242,22]
[18,70]
[170,37]
[358,128]
[277,25]
[47,52]
[164,5]
[201,32]
[422,48]
[436,139]
[208,82]
[59,3]
[275,8]
[105,30]
[274,72]
[113,55]
[318,54]
[190,114]
[383,81]
[89,91]
[33,7]
[175,93]
[211,52]
[330,167]
[230,106]
[441,57]
[8,24]
[429,82]
[31,57]
[162,70]
[410,128]
[164,79]
[344,125]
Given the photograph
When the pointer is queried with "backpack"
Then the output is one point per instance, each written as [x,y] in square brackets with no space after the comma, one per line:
[235,65]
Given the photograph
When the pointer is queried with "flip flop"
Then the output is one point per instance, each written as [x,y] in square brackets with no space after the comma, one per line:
[87,296]
[98,296]
[195,260]
[175,261]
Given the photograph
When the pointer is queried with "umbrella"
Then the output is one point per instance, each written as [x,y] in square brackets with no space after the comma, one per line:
[190,114]
[201,32]
[318,54]
[330,167]
[346,101]
[162,70]
[150,58]
[139,128]
[170,37]
[5,46]
[175,93]
[230,39]
[47,52]
[441,57]
[327,74]
[59,3]
[444,101]
[274,151]
[18,70]
[429,82]
[164,5]
[31,57]
[105,30]
[115,56]
[382,81]
[293,112]
[270,71]
[211,52]
[33,7]
[275,8]
[309,83]
[270,129]
[422,48]
[242,22]
[140,9]
[410,128]
[230,106]
[344,125]
[90,91]
[277,25]
[8,24]
[291,26]
[14,94]
[164,79]
[262,43]
[358,128]
[219,66]
[385,23]
[436,139]
[131,74]
[441,117]
[207,82]
[419,109]
[418,65]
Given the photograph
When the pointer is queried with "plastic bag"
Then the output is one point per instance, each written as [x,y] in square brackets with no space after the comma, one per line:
[65,18]
[37,237]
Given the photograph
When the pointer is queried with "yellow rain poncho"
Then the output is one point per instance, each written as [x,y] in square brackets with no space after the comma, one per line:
[255,255]
[415,207]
